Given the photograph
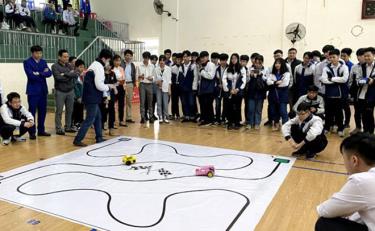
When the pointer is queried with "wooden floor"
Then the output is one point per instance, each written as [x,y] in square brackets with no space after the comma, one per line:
[293,207]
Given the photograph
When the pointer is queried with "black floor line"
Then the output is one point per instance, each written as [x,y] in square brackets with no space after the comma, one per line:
[320,170]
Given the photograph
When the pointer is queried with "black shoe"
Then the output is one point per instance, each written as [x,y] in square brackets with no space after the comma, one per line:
[143,121]
[122,124]
[101,141]
[152,120]
[185,120]
[70,130]
[268,123]
[32,137]
[79,144]
[202,123]
[44,134]
[60,133]
[130,121]
[230,127]
[298,153]
[310,156]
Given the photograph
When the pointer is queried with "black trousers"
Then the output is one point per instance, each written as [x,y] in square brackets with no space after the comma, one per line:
[234,109]
[207,108]
[77,116]
[358,114]
[175,100]
[120,102]
[367,111]
[338,224]
[315,146]
[108,112]
[347,112]
[85,21]
[6,131]
[28,20]
[334,113]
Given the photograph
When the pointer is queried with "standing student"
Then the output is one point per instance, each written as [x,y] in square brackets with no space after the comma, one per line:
[25,15]
[93,88]
[69,21]
[194,58]
[86,10]
[316,57]
[146,78]
[244,61]
[252,58]
[215,59]
[352,208]
[256,92]
[312,99]
[13,117]
[335,76]
[220,116]
[234,81]
[121,85]
[168,54]
[64,76]
[278,82]
[345,55]
[319,69]
[77,117]
[107,106]
[305,133]
[206,89]
[304,75]
[131,82]
[37,72]
[163,79]
[353,89]
[293,62]
[187,75]
[366,91]
[175,87]
[154,62]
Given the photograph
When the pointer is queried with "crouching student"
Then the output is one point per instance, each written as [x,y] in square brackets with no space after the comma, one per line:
[163,79]
[315,101]
[305,133]
[15,120]
[352,209]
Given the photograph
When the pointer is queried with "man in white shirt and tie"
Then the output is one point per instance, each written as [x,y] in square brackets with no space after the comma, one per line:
[146,78]
[353,208]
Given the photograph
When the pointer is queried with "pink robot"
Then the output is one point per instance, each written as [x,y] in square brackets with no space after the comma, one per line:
[208,171]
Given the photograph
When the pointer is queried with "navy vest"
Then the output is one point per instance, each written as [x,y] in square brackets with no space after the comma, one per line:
[370,94]
[186,82]
[303,82]
[91,95]
[336,90]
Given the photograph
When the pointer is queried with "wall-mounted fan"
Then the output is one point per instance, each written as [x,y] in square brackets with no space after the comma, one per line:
[295,32]
[159,8]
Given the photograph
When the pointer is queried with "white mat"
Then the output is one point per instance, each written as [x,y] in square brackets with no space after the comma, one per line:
[92,187]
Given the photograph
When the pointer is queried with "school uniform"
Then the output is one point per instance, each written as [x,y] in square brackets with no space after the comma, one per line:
[163,80]
[206,91]
[317,103]
[353,90]
[175,97]
[245,95]
[278,96]
[304,77]
[108,108]
[256,93]
[318,76]
[310,130]
[366,96]
[292,87]
[233,81]
[218,93]
[78,108]
[347,111]
[186,77]
[11,119]
[335,80]
[37,90]
[145,90]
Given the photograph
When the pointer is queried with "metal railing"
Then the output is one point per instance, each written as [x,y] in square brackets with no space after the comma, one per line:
[118,46]
[15,45]
[111,29]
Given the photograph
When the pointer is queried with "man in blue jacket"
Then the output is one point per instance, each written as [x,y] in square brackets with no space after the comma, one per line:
[37,72]
[86,10]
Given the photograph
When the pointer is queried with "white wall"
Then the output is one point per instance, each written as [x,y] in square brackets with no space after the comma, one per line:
[13,79]
[242,26]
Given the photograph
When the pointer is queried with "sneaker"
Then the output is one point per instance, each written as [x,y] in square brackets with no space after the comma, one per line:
[44,134]
[79,144]
[6,141]
[70,130]
[143,121]
[166,121]
[22,26]
[111,132]
[19,139]
[185,120]
[326,132]
[298,153]
[268,123]
[334,129]
[130,121]
[341,133]
[310,156]
[257,127]
[122,124]
[60,133]
[32,137]
[248,127]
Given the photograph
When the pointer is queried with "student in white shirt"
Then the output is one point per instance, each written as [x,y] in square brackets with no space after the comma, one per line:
[69,20]
[305,132]
[335,77]
[13,117]
[162,77]
[319,69]
[25,15]
[234,82]
[278,81]
[353,207]
[145,73]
